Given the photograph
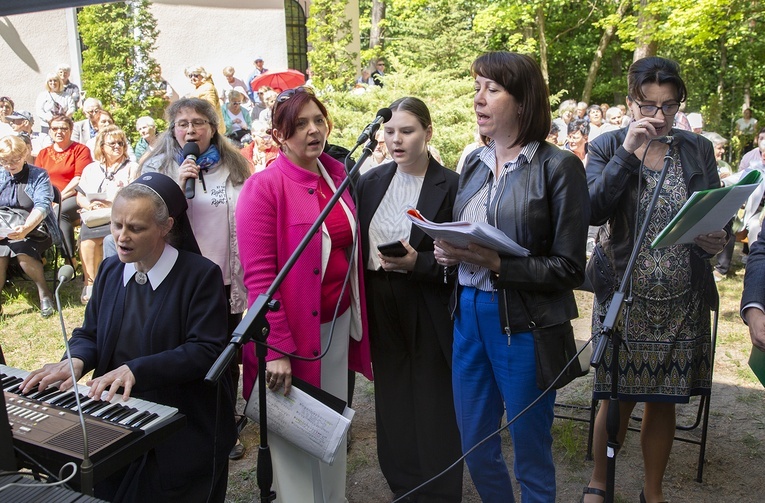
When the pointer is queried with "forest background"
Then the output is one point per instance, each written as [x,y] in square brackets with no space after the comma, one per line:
[584,49]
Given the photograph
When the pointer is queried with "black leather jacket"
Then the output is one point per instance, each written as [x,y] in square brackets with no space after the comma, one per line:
[612,180]
[544,207]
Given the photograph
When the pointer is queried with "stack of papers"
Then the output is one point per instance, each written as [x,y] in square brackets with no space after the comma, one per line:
[461,234]
[308,418]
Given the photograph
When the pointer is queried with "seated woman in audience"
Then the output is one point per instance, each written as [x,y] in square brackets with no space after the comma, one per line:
[64,162]
[269,100]
[53,101]
[576,141]
[204,89]
[27,191]
[99,184]
[161,351]
[236,118]
[147,128]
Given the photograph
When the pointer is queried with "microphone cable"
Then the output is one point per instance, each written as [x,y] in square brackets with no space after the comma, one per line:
[324,351]
[403,497]
[60,482]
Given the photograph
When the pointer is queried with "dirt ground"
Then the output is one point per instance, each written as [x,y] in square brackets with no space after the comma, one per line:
[732,469]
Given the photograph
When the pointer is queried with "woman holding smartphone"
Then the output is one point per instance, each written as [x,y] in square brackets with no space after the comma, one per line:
[407,304]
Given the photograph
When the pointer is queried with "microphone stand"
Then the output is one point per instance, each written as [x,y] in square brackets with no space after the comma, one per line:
[255,326]
[86,468]
[610,324]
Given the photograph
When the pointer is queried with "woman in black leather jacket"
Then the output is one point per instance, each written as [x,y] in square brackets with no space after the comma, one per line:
[672,287]
[536,194]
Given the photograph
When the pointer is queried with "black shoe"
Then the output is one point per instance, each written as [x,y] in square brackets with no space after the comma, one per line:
[237,452]
[597,492]
[46,308]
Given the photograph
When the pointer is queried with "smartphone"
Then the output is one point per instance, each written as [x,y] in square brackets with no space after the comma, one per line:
[393,249]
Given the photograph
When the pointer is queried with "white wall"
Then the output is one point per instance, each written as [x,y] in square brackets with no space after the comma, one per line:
[234,32]
[31,46]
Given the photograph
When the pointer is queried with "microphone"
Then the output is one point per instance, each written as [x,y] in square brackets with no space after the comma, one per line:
[383,115]
[190,151]
[66,273]
[668,140]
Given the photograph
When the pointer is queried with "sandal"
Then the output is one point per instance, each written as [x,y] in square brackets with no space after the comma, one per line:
[592,490]
[642,497]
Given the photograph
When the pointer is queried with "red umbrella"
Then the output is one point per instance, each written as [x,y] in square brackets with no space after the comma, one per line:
[281,81]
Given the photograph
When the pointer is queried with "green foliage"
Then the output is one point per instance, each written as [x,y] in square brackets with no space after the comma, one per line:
[449,99]
[117,67]
[434,34]
[329,33]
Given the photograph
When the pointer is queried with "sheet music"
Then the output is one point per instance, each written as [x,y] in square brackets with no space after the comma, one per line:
[303,421]
[707,211]
[461,234]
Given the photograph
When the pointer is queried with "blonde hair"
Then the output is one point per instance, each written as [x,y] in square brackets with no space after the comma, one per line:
[228,71]
[12,146]
[53,76]
[116,134]
[197,69]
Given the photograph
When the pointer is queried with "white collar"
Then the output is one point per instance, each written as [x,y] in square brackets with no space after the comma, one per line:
[159,272]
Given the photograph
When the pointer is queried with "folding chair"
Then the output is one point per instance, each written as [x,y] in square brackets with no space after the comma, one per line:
[702,413]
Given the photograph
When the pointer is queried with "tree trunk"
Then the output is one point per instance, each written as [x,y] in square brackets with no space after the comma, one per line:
[542,42]
[378,15]
[605,39]
[645,44]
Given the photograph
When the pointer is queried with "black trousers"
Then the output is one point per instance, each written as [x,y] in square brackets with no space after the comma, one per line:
[70,218]
[417,434]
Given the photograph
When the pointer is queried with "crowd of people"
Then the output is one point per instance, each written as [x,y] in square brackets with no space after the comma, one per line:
[175,247]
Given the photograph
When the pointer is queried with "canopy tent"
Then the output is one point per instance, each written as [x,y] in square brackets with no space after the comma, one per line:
[9,7]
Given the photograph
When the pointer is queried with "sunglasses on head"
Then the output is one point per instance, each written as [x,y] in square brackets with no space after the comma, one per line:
[289,93]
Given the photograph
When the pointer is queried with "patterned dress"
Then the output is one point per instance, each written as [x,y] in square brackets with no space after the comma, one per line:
[668,328]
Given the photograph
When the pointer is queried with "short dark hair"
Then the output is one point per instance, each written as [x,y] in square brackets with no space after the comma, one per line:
[520,76]
[414,106]
[284,114]
[654,70]
[581,125]
[62,118]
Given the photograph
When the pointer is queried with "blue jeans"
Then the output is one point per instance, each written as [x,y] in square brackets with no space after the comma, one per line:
[488,376]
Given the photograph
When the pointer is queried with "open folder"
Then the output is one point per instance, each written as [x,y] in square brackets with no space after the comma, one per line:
[309,418]
[707,211]
[461,234]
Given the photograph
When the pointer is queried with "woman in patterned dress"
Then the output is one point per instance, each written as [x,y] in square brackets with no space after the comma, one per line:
[668,327]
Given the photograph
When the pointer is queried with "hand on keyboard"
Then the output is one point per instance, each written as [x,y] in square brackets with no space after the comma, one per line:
[121,377]
[53,373]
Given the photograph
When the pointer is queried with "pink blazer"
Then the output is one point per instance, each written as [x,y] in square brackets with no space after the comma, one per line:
[276,207]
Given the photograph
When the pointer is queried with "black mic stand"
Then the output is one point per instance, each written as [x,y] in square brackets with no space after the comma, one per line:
[610,329]
[255,326]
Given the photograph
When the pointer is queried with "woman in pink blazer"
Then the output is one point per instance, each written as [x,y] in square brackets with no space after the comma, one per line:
[276,208]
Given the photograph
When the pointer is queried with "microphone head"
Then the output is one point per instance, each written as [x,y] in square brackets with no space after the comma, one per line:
[666,139]
[66,273]
[191,148]
[385,113]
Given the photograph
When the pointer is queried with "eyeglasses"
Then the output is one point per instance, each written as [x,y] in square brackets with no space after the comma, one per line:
[652,110]
[236,102]
[56,129]
[196,123]
[115,144]
[9,163]
[91,112]
[194,75]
